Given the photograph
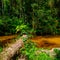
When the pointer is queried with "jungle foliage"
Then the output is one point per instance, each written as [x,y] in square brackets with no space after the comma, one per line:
[41,17]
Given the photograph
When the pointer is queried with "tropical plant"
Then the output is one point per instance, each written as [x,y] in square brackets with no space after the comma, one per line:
[30,52]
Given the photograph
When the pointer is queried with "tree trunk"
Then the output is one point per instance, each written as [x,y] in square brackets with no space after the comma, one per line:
[10,51]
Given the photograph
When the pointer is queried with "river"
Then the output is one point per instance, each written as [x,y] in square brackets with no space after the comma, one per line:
[47,41]
[41,41]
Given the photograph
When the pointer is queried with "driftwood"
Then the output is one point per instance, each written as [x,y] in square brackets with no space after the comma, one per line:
[10,51]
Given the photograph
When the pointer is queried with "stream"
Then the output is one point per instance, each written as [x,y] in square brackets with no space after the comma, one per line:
[41,41]
[4,40]
[47,41]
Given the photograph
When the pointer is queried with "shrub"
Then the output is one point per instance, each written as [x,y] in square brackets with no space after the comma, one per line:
[9,26]
[30,51]
[57,57]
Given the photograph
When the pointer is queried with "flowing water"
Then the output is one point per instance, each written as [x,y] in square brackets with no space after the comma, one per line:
[7,39]
[47,41]
[41,41]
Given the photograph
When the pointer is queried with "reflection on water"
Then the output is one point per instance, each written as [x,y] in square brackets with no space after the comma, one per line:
[47,42]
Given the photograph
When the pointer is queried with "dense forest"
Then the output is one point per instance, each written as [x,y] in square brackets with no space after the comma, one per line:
[40,17]
[23,20]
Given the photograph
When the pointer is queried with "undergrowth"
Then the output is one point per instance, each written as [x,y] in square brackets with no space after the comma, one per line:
[31,52]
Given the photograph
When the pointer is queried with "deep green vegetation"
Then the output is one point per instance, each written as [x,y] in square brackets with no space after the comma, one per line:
[57,57]
[35,17]
[39,17]
[31,52]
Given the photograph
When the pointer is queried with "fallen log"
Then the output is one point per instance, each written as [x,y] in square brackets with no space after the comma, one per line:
[11,50]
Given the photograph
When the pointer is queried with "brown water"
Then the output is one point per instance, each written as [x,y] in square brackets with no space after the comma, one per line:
[47,42]
[41,41]
[6,39]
